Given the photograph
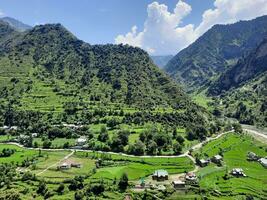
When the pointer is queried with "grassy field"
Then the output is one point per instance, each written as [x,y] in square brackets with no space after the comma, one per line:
[135,167]
[211,181]
[235,148]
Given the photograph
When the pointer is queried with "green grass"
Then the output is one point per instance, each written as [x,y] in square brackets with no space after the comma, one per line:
[137,167]
[20,154]
[201,99]
[235,149]
[56,143]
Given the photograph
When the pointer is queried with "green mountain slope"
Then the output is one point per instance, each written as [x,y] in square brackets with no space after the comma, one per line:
[215,51]
[243,88]
[255,64]
[114,73]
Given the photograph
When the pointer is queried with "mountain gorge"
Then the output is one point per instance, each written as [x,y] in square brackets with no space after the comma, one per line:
[243,88]
[161,61]
[215,51]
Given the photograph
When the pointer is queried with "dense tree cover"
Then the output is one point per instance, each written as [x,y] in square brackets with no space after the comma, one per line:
[7,152]
[242,88]
[7,174]
[123,182]
[215,51]
[116,73]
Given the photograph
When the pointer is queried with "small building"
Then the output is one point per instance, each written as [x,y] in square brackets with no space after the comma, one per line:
[263,162]
[217,159]
[251,156]
[76,165]
[13,128]
[64,166]
[34,135]
[160,175]
[178,184]
[191,177]
[238,172]
[5,127]
[81,141]
[203,163]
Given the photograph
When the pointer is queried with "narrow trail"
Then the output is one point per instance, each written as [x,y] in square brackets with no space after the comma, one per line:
[57,163]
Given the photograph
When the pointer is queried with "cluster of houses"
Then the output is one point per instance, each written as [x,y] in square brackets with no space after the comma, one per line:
[68,165]
[190,178]
[251,156]
[217,159]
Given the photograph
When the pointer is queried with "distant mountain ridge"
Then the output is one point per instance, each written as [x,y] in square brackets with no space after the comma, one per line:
[243,88]
[255,64]
[215,51]
[16,24]
[161,61]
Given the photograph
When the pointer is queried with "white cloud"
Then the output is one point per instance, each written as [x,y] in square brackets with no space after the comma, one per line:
[164,32]
[229,11]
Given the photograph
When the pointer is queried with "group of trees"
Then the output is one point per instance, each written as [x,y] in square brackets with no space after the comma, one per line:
[7,152]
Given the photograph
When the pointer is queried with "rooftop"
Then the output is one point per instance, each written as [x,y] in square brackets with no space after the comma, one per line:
[263,161]
[218,157]
[160,172]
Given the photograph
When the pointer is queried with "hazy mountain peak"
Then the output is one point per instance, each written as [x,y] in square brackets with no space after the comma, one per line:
[16,24]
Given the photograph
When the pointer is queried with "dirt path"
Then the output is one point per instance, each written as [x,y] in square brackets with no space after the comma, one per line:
[260,135]
[57,163]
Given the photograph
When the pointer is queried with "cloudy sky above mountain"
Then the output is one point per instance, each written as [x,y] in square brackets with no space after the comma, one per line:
[165,33]
[159,26]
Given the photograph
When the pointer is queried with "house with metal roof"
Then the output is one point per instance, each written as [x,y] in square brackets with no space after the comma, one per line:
[238,172]
[263,162]
[160,175]
[217,159]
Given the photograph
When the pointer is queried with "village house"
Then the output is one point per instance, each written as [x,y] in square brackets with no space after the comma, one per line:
[34,135]
[76,165]
[217,159]
[190,178]
[64,166]
[251,156]
[69,164]
[203,163]
[81,141]
[178,184]
[238,172]
[160,175]
[263,162]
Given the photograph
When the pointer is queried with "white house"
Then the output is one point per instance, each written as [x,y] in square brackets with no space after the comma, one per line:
[263,162]
[81,141]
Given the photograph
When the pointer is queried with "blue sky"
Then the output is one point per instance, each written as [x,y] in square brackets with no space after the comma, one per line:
[94,21]
[161,27]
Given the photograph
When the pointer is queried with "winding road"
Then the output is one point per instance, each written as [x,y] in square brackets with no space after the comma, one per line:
[249,130]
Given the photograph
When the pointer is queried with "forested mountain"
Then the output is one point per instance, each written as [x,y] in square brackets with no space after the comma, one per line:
[248,68]
[243,88]
[161,61]
[215,51]
[17,25]
[115,73]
